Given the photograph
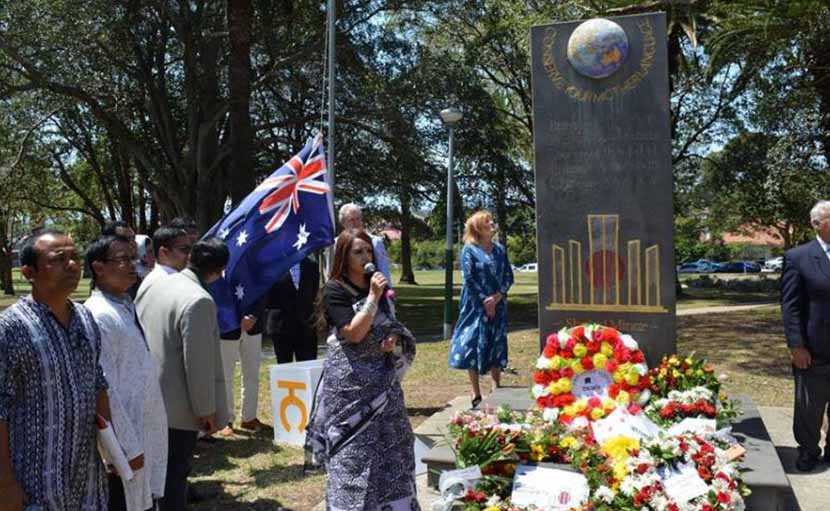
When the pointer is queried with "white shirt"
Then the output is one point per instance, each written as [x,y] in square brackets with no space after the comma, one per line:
[138,414]
[824,246]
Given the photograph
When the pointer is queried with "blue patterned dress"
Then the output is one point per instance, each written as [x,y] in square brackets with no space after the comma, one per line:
[478,343]
[49,380]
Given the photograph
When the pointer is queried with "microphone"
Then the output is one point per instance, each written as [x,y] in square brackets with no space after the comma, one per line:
[370,269]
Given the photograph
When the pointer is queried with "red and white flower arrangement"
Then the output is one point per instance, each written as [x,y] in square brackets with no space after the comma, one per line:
[596,350]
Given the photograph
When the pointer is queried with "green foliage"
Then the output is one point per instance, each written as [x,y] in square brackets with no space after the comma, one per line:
[521,249]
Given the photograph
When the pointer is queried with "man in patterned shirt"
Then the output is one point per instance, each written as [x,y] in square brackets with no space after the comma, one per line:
[51,387]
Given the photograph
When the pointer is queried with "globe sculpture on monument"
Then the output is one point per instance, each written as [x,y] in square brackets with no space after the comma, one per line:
[597,48]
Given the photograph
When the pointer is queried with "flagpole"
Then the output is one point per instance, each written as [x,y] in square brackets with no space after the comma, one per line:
[332,14]
[331,18]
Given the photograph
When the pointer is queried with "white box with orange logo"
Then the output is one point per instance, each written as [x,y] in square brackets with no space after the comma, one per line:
[292,395]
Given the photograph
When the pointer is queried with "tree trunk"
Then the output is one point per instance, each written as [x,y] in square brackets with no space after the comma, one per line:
[501,203]
[407,275]
[6,281]
[240,15]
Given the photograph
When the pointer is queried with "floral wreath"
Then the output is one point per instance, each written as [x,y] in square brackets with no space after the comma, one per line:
[572,358]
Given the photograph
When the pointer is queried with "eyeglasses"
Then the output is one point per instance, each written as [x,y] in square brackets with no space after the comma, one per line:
[122,261]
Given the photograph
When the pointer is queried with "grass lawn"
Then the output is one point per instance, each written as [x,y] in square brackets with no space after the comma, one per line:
[249,473]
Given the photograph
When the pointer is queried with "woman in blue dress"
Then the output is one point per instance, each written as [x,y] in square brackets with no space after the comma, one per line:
[479,341]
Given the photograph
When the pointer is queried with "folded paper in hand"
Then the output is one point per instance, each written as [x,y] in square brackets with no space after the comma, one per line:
[111,450]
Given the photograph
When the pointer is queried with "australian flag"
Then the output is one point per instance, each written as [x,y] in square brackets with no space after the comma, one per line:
[285,218]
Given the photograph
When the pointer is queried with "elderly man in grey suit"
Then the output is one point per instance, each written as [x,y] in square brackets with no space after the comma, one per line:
[179,319]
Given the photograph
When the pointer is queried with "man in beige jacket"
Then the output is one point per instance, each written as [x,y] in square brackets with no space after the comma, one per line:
[179,320]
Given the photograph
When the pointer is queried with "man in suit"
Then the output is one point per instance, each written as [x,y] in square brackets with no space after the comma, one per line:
[351,217]
[179,319]
[171,247]
[289,312]
[805,307]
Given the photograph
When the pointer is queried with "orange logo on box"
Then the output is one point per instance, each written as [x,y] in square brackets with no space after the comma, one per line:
[292,400]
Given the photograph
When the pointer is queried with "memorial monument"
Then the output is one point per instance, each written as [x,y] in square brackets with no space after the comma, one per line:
[604,209]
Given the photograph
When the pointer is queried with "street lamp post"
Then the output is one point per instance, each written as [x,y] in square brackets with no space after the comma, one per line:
[450,116]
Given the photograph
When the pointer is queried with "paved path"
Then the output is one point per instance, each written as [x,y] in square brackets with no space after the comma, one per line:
[724,308]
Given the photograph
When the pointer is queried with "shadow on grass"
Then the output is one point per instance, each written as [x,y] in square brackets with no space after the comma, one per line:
[218,499]
[425,411]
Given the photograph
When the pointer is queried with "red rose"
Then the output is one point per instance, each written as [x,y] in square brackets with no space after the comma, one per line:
[614,390]
[566,353]
[611,366]
[570,344]
[723,498]
[578,332]
[622,354]
[593,347]
[634,409]
[539,377]
[587,363]
[549,351]
[642,468]
[672,507]
[637,357]
[704,473]
[594,402]
[567,373]
[552,340]
[610,335]
[563,400]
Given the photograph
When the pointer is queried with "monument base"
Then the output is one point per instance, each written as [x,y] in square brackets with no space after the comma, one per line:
[762,470]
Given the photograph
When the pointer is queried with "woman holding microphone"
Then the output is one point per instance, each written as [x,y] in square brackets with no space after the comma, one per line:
[359,429]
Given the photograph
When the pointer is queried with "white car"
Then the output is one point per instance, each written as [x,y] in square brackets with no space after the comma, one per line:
[775,264]
[529,267]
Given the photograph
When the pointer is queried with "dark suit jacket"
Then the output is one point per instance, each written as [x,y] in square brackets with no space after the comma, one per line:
[289,308]
[805,299]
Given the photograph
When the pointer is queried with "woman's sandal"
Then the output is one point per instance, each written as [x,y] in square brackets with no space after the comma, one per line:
[476,400]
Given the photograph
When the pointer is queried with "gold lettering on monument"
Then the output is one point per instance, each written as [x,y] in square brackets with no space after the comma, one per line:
[581,94]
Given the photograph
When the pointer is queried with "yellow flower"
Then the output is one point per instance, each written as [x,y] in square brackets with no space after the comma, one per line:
[606,349]
[600,360]
[620,470]
[553,388]
[580,350]
[674,361]
[607,403]
[576,365]
[492,508]
[537,453]
[688,372]
[568,442]
[564,385]
[699,372]
[619,447]
[581,405]
[663,371]
[570,410]
[688,361]
[597,413]
[619,376]
[555,362]
[675,373]
[624,397]
[632,378]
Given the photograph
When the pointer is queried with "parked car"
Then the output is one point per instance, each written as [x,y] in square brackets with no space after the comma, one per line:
[773,265]
[529,267]
[693,268]
[740,267]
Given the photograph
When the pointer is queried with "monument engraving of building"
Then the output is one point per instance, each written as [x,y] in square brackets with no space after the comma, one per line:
[603,178]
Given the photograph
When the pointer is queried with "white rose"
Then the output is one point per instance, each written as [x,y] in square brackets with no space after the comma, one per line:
[540,391]
[550,414]
[629,342]
[542,362]
[645,395]
[641,369]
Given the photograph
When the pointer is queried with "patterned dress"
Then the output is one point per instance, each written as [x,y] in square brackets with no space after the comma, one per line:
[359,419]
[138,414]
[49,380]
[479,343]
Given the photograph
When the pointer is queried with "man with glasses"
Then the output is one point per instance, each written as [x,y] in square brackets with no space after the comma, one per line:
[51,387]
[122,228]
[171,246]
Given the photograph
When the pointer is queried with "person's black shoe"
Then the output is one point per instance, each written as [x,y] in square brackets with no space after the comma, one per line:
[826,456]
[476,401]
[806,462]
